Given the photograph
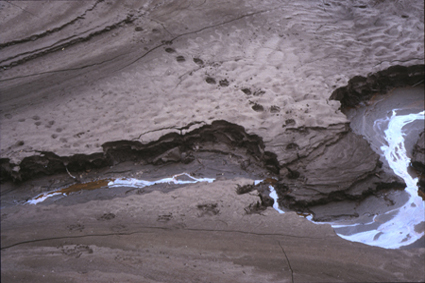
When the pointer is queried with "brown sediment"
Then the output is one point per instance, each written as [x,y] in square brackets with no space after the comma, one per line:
[79,187]
[85,186]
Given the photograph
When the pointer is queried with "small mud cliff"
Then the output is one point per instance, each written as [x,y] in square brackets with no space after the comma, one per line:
[346,169]
[418,161]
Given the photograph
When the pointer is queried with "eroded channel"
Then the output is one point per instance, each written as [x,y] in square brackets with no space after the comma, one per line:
[392,217]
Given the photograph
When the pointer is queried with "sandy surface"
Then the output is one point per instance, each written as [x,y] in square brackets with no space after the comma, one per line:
[75,75]
[172,237]
[123,84]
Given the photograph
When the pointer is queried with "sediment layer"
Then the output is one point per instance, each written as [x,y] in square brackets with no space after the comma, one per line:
[360,89]
[220,137]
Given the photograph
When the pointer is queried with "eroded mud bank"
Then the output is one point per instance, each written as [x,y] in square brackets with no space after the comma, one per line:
[346,169]
[330,164]
[221,137]
[79,75]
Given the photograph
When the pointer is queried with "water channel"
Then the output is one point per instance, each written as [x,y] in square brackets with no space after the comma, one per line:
[391,124]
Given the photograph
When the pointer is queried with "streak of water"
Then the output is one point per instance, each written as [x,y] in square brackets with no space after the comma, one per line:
[398,227]
[401,226]
[393,229]
[135,183]
[120,182]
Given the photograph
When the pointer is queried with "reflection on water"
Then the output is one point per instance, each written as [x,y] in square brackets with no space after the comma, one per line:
[400,226]
[180,179]
[403,225]
[71,189]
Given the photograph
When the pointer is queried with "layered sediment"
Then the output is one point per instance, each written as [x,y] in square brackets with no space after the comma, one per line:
[92,85]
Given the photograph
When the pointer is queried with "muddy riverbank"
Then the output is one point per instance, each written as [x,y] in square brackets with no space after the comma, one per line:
[237,91]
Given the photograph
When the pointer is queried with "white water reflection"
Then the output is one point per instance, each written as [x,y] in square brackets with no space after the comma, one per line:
[401,226]
[393,229]
[43,197]
[179,179]
[135,183]
[273,195]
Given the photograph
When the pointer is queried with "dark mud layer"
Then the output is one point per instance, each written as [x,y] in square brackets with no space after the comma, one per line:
[91,184]
[219,137]
[360,89]
[418,161]
[346,170]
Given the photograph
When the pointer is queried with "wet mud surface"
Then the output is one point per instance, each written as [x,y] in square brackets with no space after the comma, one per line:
[238,91]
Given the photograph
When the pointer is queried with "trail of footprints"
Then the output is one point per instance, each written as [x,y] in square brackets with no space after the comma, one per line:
[224,82]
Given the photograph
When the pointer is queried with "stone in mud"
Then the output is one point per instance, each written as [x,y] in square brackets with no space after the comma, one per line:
[347,169]
[418,154]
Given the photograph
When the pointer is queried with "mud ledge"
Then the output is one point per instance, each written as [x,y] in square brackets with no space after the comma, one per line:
[361,89]
[418,161]
[303,206]
[220,136]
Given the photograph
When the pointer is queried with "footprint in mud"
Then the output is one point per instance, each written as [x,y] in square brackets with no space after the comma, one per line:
[289,122]
[208,209]
[247,91]
[106,216]
[259,92]
[76,227]
[164,217]
[19,143]
[198,61]
[210,80]
[257,107]
[255,208]
[118,228]
[76,251]
[274,109]
[50,124]
[224,83]
[170,50]
[180,59]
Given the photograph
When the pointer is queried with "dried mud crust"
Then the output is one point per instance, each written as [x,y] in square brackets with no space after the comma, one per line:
[345,168]
[360,89]
[298,126]
[220,137]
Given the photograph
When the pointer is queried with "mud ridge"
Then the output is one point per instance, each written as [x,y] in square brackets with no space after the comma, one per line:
[290,202]
[220,136]
[50,31]
[40,52]
[345,170]
[360,89]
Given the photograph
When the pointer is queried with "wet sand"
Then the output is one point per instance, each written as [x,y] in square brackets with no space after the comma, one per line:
[87,78]
[193,233]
